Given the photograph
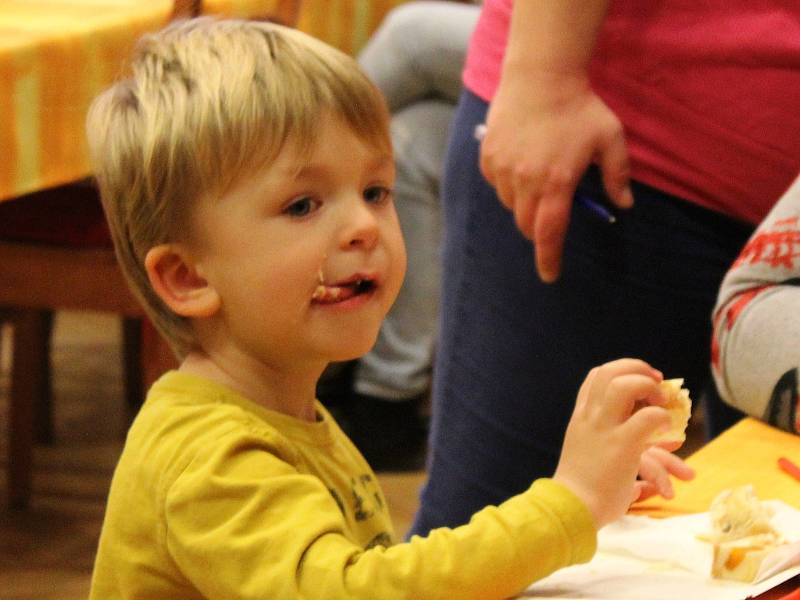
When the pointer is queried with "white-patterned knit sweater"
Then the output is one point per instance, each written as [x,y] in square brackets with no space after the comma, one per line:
[756,341]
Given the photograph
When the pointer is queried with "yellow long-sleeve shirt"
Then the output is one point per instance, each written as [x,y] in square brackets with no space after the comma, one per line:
[217,497]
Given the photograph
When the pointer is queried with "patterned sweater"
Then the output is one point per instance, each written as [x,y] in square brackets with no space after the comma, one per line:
[756,341]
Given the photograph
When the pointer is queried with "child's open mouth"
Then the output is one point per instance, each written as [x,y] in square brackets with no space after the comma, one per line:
[340,292]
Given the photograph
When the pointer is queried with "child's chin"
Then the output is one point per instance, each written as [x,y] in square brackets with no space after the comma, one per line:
[355,349]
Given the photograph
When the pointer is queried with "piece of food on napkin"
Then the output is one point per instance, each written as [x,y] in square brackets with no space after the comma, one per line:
[679,406]
[742,534]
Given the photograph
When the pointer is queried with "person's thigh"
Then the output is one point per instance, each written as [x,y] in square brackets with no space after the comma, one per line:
[399,366]
[513,351]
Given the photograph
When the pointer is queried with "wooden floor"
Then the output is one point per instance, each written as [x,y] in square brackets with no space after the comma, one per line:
[47,551]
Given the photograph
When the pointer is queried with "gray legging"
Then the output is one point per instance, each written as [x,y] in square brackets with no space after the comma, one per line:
[415,58]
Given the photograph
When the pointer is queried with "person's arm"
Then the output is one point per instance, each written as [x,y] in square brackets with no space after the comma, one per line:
[241,522]
[755,349]
[546,125]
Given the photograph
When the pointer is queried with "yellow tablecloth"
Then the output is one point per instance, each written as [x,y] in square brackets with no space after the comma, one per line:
[746,453]
[284,11]
[55,57]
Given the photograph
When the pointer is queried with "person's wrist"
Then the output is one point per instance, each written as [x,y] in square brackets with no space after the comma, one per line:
[528,81]
[579,491]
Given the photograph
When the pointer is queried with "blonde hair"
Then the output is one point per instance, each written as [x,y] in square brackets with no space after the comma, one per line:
[208,102]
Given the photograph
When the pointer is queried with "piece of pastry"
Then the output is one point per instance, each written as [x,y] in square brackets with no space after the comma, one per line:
[742,535]
[738,513]
[740,560]
[679,406]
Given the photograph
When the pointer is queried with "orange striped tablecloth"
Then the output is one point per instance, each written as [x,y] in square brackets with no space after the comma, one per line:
[746,453]
[55,56]
[284,11]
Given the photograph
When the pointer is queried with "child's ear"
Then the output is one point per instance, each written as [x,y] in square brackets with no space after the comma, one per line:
[174,277]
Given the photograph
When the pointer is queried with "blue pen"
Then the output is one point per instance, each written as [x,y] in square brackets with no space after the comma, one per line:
[595,208]
[585,201]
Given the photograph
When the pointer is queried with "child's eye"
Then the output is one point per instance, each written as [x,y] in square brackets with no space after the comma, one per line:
[302,207]
[376,194]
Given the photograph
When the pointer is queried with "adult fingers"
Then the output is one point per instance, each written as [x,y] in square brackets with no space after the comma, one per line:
[551,222]
[526,186]
[497,175]
[615,167]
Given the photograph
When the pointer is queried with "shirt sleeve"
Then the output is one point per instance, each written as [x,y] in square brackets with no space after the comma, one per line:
[755,350]
[243,523]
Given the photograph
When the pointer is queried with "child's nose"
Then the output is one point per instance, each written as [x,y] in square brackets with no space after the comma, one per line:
[362,227]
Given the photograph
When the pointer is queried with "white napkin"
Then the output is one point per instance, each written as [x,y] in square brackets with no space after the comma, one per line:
[641,558]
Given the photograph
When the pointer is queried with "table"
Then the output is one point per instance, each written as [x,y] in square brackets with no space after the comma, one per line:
[55,57]
[746,453]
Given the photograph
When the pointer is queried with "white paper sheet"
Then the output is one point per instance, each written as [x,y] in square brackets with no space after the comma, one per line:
[640,558]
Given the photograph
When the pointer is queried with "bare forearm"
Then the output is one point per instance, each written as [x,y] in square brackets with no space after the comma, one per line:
[553,36]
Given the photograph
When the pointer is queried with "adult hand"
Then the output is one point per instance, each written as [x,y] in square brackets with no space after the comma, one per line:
[542,134]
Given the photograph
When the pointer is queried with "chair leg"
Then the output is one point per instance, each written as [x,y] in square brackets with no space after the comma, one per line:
[157,356]
[147,357]
[28,329]
[43,415]
[132,363]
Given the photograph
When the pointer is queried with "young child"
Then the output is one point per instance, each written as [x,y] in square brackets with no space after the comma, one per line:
[246,173]
[755,355]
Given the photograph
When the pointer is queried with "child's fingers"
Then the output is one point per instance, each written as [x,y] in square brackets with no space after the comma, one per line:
[645,490]
[584,392]
[626,366]
[669,445]
[646,422]
[652,470]
[672,463]
[624,392]
[606,373]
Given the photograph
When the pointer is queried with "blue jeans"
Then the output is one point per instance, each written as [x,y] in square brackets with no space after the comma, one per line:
[513,351]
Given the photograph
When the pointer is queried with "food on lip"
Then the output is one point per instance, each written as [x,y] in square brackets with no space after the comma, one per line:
[324,293]
[679,406]
[342,291]
[742,535]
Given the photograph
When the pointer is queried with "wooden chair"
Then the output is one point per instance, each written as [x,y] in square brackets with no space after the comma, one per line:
[55,254]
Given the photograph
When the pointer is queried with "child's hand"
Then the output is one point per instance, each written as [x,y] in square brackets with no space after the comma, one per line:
[656,465]
[604,442]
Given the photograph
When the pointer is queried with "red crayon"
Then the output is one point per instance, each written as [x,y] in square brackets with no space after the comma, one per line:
[789,467]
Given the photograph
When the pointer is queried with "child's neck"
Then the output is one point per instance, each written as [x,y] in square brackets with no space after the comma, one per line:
[288,393]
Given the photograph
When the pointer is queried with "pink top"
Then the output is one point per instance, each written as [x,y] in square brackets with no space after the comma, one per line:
[708,92]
